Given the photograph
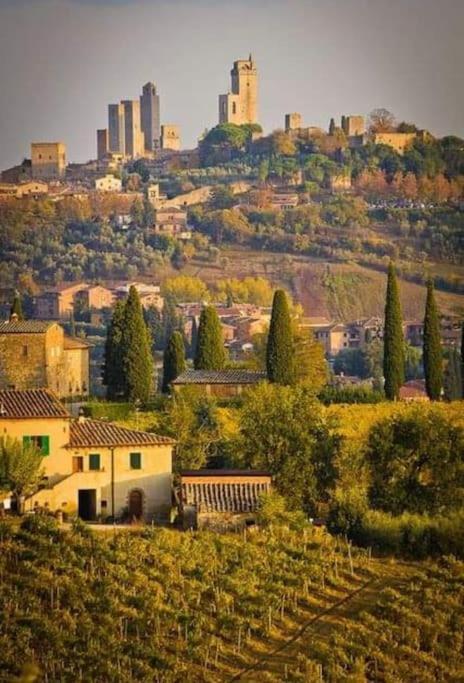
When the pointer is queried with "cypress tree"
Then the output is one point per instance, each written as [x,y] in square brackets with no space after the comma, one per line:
[452,380]
[193,337]
[173,360]
[113,374]
[210,353]
[137,359]
[462,360]
[433,363]
[393,354]
[280,352]
[332,127]
[17,307]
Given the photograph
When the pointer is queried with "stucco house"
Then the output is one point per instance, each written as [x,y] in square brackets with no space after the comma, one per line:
[92,468]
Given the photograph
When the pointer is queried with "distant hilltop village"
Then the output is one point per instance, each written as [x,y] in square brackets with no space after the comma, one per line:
[134,132]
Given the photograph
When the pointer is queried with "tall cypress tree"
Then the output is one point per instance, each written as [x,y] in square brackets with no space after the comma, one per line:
[173,360]
[210,353]
[17,307]
[433,362]
[193,338]
[393,354]
[113,373]
[280,351]
[452,380]
[137,359]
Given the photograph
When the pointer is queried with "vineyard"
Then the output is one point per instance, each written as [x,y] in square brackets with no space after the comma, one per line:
[277,603]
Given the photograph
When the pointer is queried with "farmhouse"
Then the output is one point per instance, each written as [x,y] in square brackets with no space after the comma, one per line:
[92,468]
[225,383]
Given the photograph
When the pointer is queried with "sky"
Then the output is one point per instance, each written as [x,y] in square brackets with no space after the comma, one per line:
[63,61]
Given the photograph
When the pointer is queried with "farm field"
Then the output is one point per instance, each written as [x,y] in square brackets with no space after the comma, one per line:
[168,606]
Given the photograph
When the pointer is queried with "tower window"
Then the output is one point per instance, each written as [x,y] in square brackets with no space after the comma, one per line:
[234,108]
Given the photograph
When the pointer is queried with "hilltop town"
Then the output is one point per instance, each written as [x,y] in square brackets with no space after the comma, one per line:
[245,360]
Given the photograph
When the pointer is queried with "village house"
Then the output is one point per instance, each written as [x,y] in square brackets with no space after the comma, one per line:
[62,301]
[108,183]
[172,221]
[93,469]
[221,383]
[29,188]
[150,295]
[221,497]
[37,353]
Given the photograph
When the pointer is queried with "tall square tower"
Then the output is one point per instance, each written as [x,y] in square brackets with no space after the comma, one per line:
[150,116]
[240,105]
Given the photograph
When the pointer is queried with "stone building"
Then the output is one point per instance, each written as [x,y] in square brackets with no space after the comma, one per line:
[134,142]
[353,125]
[400,142]
[218,498]
[59,303]
[93,469]
[223,383]
[150,116]
[171,221]
[293,122]
[36,354]
[48,160]
[102,143]
[240,104]
[170,137]
[108,183]
[116,134]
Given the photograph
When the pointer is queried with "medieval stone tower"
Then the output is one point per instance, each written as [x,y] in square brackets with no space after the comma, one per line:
[240,105]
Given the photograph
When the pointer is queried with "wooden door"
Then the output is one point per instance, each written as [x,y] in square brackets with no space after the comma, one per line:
[135,504]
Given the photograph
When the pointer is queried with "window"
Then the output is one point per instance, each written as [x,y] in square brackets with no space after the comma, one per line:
[135,461]
[234,108]
[94,461]
[104,504]
[24,351]
[40,442]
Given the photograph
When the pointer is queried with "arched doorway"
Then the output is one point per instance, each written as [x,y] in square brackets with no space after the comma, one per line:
[135,504]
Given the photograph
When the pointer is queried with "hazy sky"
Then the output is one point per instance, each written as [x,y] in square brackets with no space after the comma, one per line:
[63,61]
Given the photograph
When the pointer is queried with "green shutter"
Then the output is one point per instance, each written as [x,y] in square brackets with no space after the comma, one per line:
[26,441]
[45,445]
[136,461]
[94,461]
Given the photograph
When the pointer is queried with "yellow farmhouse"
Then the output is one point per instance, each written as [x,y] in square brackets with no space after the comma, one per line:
[92,468]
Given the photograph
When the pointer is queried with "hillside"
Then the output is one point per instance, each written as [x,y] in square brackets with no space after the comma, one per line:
[335,290]
[168,607]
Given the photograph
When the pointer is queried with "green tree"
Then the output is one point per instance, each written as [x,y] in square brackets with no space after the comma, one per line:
[433,362]
[20,469]
[417,462]
[222,197]
[113,372]
[137,359]
[210,352]
[173,360]
[452,379]
[284,430]
[16,307]
[280,351]
[332,127]
[393,349]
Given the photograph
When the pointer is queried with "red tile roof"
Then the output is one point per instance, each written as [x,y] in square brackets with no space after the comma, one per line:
[96,433]
[29,403]
[25,326]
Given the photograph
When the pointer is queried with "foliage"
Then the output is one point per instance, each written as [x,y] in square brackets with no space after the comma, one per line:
[16,307]
[113,372]
[20,468]
[433,363]
[184,288]
[393,364]
[173,360]
[453,382]
[350,394]
[284,430]
[417,463]
[280,352]
[137,359]
[210,353]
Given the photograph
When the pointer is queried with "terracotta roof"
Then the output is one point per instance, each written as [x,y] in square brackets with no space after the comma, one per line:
[224,473]
[25,326]
[220,377]
[75,343]
[224,496]
[99,433]
[27,403]
[415,388]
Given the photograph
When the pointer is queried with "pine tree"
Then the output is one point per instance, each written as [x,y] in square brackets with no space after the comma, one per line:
[137,359]
[433,363]
[280,351]
[173,360]
[210,353]
[16,307]
[113,373]
[393,355]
